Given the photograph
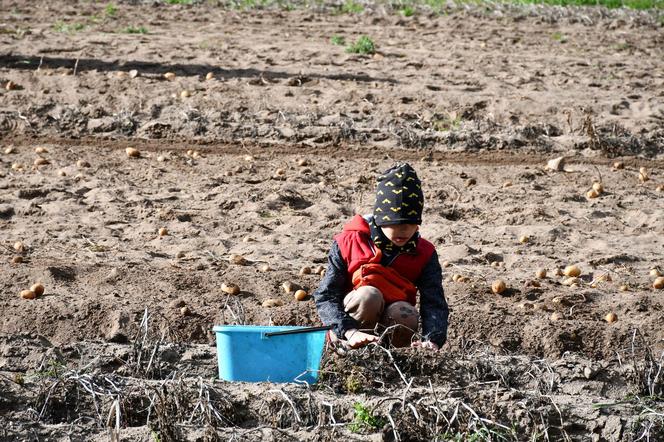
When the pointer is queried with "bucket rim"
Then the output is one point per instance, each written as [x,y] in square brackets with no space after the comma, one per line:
[255,328]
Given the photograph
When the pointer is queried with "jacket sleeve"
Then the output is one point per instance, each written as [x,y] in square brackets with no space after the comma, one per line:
[433,306]
[330,294]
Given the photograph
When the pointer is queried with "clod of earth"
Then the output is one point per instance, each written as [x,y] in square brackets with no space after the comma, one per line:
[185,94]
[272,302]
[524,239]
[133,73]
[643,175]
[507,183]
[17,259]
[170,76]
[266,268]
[28,294]
[39,161]
[17,166]
[618,165]
[655,272]
[209,76]
[470,182]
[163,231]
[624,288]
[556,316]
[230,288]
[592,193]
[658,283]
[445,264]
[10,86]
[302,162]
[300,295]
[19,246]
[541,273]
[660,188]
[556,164]
[498,286]
[132,152]
[288,287]
[62,173]
[10,150]
[598,187]
[305,270]
[37,288]
[237,259]
[82,163]
[184,311]
[40,150]
[572,270]
[611,318]
[570,281]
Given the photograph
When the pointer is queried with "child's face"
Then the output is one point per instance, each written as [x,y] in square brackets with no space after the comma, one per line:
[399,234]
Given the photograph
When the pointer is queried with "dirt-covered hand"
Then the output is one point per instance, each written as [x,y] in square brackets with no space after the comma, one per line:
[425,344]
[357,339]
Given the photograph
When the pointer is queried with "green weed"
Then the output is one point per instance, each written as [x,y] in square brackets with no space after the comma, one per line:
[558,36]
[353,384]
[135,30]
[364,419]
[111,10]
[68,28]
[179,2]
[448,122]
[363,45]
[338,40]
[408,11]
[54,369]
[351,7]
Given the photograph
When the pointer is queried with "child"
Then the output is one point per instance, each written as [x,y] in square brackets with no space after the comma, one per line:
[376,266]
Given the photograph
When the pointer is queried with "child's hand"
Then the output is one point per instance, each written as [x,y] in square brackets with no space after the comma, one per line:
[357,339]
[425,344]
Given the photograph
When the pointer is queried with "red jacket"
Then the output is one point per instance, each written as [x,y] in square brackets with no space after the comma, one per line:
[358,249]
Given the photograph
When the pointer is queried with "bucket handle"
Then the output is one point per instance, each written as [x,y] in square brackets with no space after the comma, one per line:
[298,330]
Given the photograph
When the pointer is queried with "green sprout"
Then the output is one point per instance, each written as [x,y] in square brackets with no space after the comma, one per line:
[111,10]
[338,40]
[135,30]
[364,419]
[351,7]
[363,45]
[68,28]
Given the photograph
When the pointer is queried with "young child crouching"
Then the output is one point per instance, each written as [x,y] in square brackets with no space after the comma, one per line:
[376,267]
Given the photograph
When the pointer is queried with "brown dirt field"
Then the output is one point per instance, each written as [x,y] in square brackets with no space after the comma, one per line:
[269,158]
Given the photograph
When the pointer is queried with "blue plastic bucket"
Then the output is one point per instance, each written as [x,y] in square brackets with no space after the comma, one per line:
[245,353]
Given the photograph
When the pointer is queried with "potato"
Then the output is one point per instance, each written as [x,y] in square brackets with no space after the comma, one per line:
[9,150]
[624,288]
[272,302]
[17,166]
[305,270]
[237,259]
[300,295]
[163,231]
[571,281]
[247,239]
[611,318]
[132,152]
[524,239]
[184,311]
[17,259]
[19,246]
[266,268]
[498,286]
[209,76]
[322,272]
[658,283]
[39,161]
[170,76]
[40,150]
[280,172]
[556,316]
[62,173]
[133,73]
[456,277]
[598,187]
[592,193]
[495,264]
[540,273]
[230,288]
[445,264]
[185,94]
[655,272]
[82,163]
[316,270]
[302,162]
[288,287]
[28,294]
[618,165]
[38,288]
[507,183]
[572,270]
[660,188]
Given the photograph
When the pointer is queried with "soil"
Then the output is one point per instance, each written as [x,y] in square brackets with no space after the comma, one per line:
[269,158]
